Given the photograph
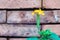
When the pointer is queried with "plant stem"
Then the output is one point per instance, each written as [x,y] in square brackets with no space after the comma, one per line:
[38,21]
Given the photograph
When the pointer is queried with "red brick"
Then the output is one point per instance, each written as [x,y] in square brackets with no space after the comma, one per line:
[18,30]
[53,28]
[20,4]
[51,4]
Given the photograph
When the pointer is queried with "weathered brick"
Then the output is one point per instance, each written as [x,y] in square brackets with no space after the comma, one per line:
[18,39]
[58,15]
[26,17]
[51,4]
[20,3]
[18,30]
[53,28]
[2,38]
[19,17]
[2,16]
[48,17]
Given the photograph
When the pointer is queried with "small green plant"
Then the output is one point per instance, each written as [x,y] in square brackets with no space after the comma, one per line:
[45,34]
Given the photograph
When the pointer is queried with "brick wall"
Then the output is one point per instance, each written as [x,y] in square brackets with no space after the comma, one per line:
[10,23]
[10,20]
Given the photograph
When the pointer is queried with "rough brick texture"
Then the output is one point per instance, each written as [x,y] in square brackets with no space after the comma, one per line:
[11,4]
[18,30]
[2,16]
[51,4]
[26,17]
[19,17]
